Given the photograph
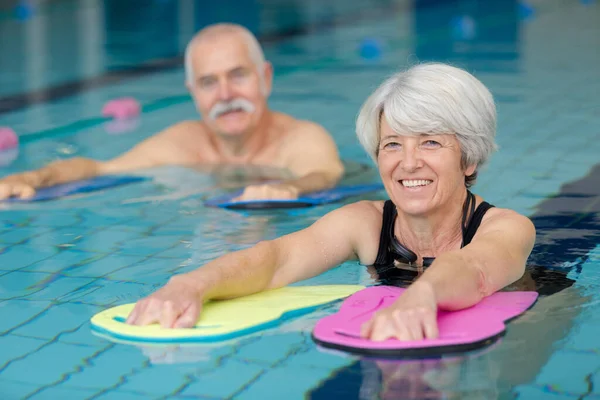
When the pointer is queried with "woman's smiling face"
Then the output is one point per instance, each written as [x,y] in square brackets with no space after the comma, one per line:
[421,173]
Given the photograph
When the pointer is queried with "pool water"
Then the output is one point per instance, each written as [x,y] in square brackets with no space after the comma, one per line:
[63,261]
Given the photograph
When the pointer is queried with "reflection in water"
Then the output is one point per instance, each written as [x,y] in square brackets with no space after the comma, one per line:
[486,374]
[471,376]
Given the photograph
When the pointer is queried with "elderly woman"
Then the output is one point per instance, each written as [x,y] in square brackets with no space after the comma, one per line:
[429,129]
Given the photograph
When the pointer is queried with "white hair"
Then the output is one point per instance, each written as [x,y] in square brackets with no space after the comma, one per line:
[433,99]
[254,49]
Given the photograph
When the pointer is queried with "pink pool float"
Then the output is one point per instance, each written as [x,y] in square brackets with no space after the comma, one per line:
[462,330]
[8,138]
[122,108]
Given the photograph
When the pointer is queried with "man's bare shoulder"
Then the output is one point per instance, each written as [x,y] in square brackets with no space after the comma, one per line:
[292,126]
[185,129]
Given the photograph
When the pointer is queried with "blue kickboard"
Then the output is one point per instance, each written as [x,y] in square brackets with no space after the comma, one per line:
[81,186]
[307,200]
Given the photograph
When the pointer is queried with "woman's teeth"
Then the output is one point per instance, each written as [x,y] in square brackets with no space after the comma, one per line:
[415,182]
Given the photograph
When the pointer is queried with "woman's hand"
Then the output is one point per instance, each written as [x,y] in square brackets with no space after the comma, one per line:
[175,305]
[411,317]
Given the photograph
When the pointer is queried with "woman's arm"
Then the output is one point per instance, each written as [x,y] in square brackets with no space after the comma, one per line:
[337,237]
[459,279]
[494,259]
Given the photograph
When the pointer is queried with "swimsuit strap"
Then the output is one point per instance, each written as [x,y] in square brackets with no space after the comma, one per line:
[467,214]
[471,220]
[475,221]
[389,215]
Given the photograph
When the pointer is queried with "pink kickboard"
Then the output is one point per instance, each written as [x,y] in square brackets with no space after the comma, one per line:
[466,329]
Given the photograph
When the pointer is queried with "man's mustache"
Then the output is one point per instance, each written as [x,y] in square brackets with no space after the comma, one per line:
[223,107]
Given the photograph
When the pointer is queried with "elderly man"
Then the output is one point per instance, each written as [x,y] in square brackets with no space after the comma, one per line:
[229,81]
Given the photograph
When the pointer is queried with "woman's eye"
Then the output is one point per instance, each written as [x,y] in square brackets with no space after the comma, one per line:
[431,143]
[391,145]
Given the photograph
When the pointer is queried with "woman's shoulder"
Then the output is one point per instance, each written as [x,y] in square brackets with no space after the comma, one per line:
[364,209]
[360,217]
[498,216]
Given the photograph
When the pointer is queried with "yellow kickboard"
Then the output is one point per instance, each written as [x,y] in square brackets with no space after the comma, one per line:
[226,319]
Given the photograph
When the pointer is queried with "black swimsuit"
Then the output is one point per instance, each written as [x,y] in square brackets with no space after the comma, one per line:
[384,263]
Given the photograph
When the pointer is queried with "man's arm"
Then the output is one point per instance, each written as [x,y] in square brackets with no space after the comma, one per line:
[312,155]
[163,148]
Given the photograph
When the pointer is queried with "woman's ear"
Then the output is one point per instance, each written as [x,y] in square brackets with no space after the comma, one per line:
[470,170]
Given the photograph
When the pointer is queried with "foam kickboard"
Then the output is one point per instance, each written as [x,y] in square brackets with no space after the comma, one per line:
[460,330]
[306,200]
[76,187]
[225,319]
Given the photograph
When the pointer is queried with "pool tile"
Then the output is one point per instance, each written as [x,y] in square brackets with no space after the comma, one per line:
[58,319]
[94,219]
[174,230]
[20,256]
[62,261]
[149,245]
[105,241]
[224,381]
[55,219]
[102,266]
[60,237]
[160,380]
[585,335]
[572,379]
[17,235]
[18,284]
[270,348]
[57,287]
[59,392]
[16,217]
[104,292]
[154,266]
[270,385]
[83,336]
[595,380]
[318,359]
[14,347]
[50,364]
[16,312]
[108,368]
[16,390]
[535,393]
[124,395]
[180,251]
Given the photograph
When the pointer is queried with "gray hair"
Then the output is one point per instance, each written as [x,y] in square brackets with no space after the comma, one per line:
[254,49]
[433,99]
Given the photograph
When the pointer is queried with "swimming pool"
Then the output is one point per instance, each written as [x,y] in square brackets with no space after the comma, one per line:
[61,262]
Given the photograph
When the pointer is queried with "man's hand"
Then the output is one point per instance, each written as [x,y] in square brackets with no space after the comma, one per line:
[15,187]
[277,191]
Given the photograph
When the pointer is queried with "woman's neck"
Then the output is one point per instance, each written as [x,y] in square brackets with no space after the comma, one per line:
[435,233]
